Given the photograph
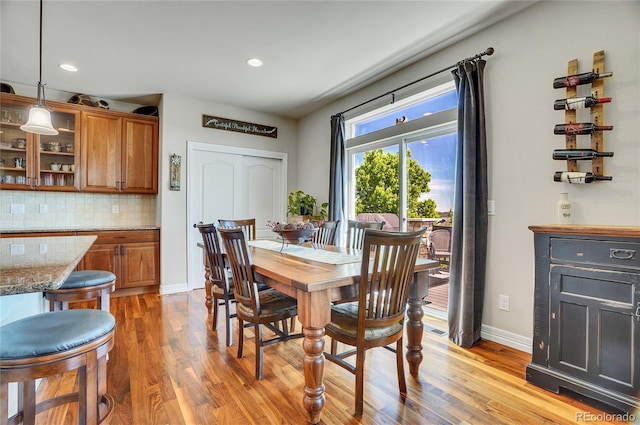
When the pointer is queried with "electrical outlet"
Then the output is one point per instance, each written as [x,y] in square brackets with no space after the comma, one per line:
[503,302]
[43,248]
[17,249]
[17,208]
[115,209]
[44,208]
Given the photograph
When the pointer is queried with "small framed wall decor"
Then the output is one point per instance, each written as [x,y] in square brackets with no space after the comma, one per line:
[174,176]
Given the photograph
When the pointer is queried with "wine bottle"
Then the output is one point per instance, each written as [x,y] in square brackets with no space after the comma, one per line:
[579,102]
[580,128]
[579,79]
[578,154]
[578,177]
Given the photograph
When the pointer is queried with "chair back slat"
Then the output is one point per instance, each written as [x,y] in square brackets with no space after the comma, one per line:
[213,254]
[239,258]
[388,260]
[355,231]
[326,234]
[248,225]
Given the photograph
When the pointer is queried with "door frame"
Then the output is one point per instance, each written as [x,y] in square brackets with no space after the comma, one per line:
[192,148]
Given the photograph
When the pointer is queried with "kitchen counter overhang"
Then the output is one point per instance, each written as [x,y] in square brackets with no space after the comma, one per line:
[37,264]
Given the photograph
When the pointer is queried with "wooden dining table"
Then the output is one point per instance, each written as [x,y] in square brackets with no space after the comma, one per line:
[316,281]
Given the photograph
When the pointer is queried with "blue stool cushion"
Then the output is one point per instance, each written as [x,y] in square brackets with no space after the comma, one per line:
[55,332]
[86,278]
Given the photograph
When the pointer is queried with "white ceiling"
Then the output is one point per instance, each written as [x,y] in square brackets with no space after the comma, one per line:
[313,51]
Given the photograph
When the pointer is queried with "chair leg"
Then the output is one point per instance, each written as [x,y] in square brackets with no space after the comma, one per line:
[4,402]
[207,293]
[240,337]
[402,383]
[28,402]
[229,325]
[103,300]
[359,381]
[334,346]
[293,324]
[214,323]
[259,351]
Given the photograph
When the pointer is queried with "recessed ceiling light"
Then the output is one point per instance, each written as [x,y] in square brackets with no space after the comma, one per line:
[68,67]
[255,62]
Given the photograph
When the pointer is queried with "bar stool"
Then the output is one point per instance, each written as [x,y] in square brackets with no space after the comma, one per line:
[48,344]
[80,286]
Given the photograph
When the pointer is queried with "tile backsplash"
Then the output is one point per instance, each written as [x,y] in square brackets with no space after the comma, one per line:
[60,210]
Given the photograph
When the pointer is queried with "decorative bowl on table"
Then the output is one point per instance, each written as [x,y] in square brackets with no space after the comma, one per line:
[292,232]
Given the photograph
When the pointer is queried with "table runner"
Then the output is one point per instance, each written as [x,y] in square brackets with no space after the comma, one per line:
[307,253]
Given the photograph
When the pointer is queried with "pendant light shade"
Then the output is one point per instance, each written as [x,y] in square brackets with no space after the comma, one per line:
[39,122]
[39,116]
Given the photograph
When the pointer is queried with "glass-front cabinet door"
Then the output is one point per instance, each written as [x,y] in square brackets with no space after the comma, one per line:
[57,156]
[31,161]
[15,147]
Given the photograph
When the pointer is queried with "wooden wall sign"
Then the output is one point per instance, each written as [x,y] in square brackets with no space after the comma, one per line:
[239,126]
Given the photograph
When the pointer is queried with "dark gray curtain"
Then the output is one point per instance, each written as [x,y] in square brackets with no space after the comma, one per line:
[336,171]
[469,243]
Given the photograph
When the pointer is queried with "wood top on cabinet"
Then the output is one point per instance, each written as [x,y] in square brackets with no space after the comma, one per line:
[583,229]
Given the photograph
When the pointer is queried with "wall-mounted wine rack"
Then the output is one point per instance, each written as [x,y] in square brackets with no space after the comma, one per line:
[597,118]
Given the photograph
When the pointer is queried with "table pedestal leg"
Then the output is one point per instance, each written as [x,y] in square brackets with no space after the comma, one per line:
[414,329]
[313,363]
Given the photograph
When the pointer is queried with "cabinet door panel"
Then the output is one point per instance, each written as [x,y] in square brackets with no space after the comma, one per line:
[103,257]
[140,157]
[594,327]
[140,264]
[101,137]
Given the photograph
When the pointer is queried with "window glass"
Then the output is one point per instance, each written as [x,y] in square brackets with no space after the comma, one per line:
[432,105]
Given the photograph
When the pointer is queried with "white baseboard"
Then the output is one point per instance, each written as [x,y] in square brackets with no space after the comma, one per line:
[509,339]
[174,289]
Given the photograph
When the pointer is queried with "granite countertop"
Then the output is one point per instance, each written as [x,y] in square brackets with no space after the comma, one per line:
[36,264]
[78,229]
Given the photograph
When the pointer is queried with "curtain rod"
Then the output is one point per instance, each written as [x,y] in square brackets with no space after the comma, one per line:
[487,52]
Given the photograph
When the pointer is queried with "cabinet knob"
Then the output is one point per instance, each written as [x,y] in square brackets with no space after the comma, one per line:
[638,312]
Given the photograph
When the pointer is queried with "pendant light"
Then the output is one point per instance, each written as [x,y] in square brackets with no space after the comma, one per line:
[39,116]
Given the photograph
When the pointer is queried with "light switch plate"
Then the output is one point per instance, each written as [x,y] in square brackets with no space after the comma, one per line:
[491,207]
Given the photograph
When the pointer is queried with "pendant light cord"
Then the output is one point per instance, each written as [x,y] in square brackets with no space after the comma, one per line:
[40,76]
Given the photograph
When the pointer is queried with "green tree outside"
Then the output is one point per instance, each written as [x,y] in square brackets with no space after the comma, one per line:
[378,185]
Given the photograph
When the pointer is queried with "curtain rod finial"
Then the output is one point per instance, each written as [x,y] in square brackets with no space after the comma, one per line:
[489,51]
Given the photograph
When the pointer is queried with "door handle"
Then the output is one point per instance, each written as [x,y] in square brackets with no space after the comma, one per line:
[638,312]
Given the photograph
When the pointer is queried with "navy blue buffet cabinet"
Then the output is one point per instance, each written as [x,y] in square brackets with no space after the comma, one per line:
[586,335]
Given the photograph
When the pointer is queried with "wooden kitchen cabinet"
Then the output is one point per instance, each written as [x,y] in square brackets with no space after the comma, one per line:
[132,255]
[587,313]
[101,150]
[119,153]
[38,162]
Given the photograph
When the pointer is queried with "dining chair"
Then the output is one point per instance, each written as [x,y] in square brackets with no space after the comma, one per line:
[218,280]
[355,231]
[376,319]
[440,246]
[253,306]
[326,234]
[248,225]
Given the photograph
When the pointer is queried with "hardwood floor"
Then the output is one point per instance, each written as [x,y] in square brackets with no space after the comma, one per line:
[168,367]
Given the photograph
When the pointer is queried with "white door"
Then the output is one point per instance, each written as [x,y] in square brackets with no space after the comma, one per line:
[231,183]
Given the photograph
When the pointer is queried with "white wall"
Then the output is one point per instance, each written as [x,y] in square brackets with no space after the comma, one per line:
[532,48]
[181,121]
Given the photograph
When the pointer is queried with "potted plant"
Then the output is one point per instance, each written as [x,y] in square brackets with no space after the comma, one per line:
[302,204]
